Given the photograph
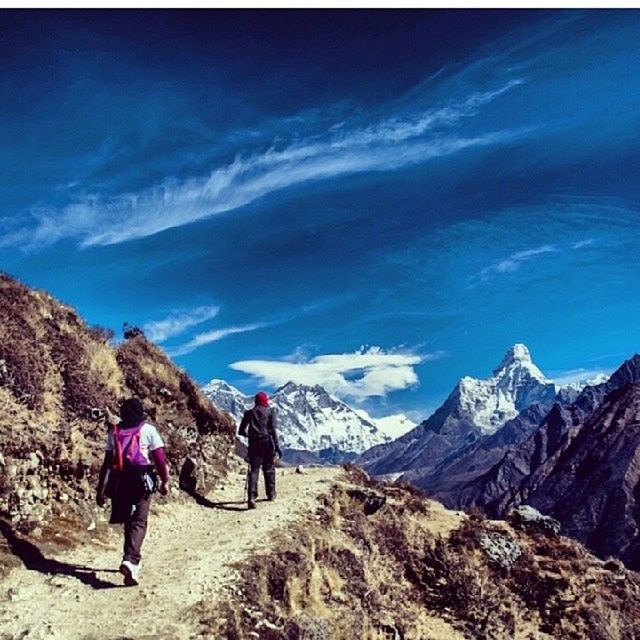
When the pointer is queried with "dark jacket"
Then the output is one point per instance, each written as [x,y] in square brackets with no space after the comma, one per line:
[260,426]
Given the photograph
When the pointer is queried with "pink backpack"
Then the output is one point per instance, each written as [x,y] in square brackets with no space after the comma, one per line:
[127,448]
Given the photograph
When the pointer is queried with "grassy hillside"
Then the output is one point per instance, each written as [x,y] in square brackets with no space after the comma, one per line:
[414,570]
[58,377]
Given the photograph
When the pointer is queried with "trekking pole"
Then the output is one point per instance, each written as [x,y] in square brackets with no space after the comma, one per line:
[246,484]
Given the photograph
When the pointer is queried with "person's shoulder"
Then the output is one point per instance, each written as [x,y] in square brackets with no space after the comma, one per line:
[149,428]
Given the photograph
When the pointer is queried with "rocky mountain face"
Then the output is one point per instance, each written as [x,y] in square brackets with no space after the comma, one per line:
[447,481]
[57,378]
[475,408]
[581,465]
[313,426]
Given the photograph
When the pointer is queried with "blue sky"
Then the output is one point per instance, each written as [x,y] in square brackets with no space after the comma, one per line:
[381,202]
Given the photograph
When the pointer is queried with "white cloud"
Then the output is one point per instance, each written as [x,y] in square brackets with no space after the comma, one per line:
[513,262]
[388,144]
[359,375]
[211,336]
[178,322]
[583,243]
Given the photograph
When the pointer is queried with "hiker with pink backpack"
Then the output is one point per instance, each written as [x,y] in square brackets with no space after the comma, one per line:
[134,452]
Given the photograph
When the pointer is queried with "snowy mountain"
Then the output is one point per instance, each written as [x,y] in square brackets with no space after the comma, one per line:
[516,384]
[309,419]
[474,409]
[394,426]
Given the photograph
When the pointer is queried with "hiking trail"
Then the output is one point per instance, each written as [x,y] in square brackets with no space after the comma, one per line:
[188,556]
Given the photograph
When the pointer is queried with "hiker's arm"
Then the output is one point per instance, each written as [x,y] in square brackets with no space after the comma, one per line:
[160,460]
[242,431]
[273,429]
[102,478]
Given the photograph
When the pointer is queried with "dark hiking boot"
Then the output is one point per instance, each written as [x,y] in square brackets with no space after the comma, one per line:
[251,504]
[272,497]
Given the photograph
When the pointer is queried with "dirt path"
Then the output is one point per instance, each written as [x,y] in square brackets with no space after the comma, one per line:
[188,556]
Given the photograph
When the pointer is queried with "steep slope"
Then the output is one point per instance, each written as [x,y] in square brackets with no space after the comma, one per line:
[377,561]
[582,466]
[494,490]
[57,378]
[310,421]
[592,483]
[475,408]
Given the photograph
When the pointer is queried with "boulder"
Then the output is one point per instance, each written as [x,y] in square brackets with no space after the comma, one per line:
[371,501]
[526,517]
[500,549]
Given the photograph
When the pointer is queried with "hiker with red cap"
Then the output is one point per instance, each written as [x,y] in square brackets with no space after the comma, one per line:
[128,476]
[259,425]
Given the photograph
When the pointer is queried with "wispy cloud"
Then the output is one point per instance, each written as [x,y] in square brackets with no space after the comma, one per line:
[363,374]
[390,143]
[515,260]
[211,336]
[207,337]
[583,243]
[178,322]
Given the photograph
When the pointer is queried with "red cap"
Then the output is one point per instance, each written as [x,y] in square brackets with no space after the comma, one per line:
[262,399]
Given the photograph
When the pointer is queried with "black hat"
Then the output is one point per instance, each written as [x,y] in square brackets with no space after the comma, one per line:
[131,412]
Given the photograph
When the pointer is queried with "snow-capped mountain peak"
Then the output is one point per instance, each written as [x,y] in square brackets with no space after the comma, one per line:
[517,362]
[220,385]
[309,418]
[515,384]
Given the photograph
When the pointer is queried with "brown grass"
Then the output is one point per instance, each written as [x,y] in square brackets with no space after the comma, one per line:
[341,574]
[54,370]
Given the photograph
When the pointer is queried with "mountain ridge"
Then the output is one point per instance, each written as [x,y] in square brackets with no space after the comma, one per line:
[310,420]
[58,376]
[474,408]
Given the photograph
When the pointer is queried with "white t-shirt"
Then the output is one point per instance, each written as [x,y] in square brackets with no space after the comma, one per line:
[150,440]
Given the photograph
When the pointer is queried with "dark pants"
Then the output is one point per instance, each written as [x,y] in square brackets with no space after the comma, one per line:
[135,528]
[261,455]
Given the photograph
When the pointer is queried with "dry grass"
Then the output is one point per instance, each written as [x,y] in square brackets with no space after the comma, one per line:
[102,361]
[402,573]
[54,370]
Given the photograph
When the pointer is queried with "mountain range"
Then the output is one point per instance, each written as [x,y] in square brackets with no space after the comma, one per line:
[573,452]
[476,408]
[313,425]
[452,575]
[581,465]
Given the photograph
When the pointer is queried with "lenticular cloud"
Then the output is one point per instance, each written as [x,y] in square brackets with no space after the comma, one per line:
[359,375]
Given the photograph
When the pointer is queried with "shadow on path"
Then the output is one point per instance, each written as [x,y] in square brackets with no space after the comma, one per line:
[229,505]
[34,560]
[238,505]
